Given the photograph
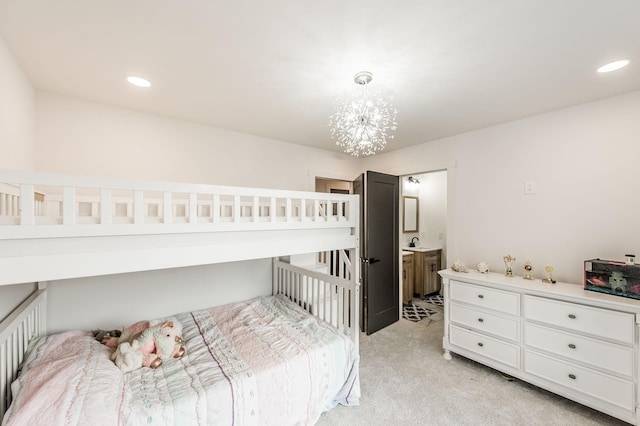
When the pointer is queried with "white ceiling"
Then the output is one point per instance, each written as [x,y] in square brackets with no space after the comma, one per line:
[274,68]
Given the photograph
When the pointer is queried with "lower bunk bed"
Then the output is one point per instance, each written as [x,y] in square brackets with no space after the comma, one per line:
[279,359]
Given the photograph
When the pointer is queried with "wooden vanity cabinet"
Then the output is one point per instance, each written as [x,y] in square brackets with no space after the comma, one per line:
[407,277]
[426,265]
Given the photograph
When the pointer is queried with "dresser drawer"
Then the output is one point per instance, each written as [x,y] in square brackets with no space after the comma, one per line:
[486,346]
[586,319]
[502,301]
[486,322]
[615,391]
[608,356]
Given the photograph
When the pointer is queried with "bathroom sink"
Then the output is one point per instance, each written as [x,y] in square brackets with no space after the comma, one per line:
[421,248]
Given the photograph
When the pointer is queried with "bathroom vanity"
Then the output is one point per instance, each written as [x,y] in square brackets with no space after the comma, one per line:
[426,264]
[579,344]
[407,276]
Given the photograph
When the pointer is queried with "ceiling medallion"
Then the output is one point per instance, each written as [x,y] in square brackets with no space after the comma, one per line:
[363,121]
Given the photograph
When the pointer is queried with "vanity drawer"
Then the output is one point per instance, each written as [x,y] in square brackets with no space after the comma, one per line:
[502,301]
[586,319]
[486,322]
[486,346]
[609,356]
[613,390]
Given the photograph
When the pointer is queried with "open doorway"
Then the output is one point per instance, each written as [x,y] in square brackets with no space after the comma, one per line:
[379,245]
[430,191]
[423,237]
[334,186]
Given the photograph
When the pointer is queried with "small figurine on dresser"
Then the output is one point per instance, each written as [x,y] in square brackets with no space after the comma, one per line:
[549,279]
[459,266]
[528,269]
[508,262]
[482,267]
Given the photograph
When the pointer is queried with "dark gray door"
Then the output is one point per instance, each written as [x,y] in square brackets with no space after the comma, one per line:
[380,303]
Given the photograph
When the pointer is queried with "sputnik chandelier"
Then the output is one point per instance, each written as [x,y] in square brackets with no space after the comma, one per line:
[363,122]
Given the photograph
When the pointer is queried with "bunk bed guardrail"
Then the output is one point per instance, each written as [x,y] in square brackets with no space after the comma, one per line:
[42,205]
[330,298]
[16,331]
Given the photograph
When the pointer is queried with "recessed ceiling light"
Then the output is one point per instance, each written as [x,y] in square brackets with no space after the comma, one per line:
[138,81]
[615,65]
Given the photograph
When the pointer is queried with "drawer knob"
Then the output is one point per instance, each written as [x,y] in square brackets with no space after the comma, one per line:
[480,296]
[572,316]
[480,320]
[572,346]
[480,344]
[572,376]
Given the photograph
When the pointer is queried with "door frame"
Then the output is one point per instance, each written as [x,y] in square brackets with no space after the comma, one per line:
[343,175]
[408,168]
[449,167]
[449,253]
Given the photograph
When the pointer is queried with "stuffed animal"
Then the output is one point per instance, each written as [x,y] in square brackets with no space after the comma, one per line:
[146,345]
[108,337]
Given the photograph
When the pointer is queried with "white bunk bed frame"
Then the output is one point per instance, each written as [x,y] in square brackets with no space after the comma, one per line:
[55,226]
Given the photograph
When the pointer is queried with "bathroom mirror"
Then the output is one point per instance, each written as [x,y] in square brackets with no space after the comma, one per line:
[410,219]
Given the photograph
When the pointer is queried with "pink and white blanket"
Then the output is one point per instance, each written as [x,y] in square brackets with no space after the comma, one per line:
[263,361]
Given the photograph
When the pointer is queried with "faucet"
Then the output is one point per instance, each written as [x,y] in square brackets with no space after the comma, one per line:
[413,243]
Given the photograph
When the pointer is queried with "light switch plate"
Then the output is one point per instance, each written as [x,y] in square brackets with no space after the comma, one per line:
[529,187]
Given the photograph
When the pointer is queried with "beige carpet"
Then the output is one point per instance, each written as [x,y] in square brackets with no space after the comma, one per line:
[405,380]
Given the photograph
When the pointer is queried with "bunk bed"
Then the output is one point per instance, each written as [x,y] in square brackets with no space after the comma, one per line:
[57,227]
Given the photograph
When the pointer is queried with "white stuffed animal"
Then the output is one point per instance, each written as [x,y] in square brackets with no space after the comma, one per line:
[128,356]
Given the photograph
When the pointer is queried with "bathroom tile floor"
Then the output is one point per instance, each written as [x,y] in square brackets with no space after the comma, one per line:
[429,309]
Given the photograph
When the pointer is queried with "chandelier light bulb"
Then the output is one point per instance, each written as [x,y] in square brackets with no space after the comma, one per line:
[363,122]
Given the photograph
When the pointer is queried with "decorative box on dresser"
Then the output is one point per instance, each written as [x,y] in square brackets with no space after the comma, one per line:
[407,276]
[426,264]
[580,344]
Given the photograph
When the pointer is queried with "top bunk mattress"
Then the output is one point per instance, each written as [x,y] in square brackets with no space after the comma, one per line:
[262,361]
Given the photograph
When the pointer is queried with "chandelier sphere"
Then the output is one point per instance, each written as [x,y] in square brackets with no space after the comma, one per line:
[363,122]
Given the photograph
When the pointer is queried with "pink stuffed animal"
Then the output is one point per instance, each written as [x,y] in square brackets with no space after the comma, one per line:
[159,343]
[146,345]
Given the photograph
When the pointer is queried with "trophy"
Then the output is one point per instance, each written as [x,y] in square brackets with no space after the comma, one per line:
[549,279]
[509,261]
[527,271]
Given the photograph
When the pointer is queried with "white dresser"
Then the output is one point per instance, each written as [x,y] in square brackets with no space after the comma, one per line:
[579,344]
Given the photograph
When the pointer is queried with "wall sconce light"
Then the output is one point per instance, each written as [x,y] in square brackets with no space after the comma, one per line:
[413,180]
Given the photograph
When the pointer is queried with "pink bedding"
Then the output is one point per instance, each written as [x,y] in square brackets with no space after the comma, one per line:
[263,361]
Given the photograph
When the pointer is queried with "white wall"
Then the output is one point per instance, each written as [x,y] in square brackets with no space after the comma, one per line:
[17,142]
[17,114]
[88,138]
[433,209]
[113,301]
[584,161]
